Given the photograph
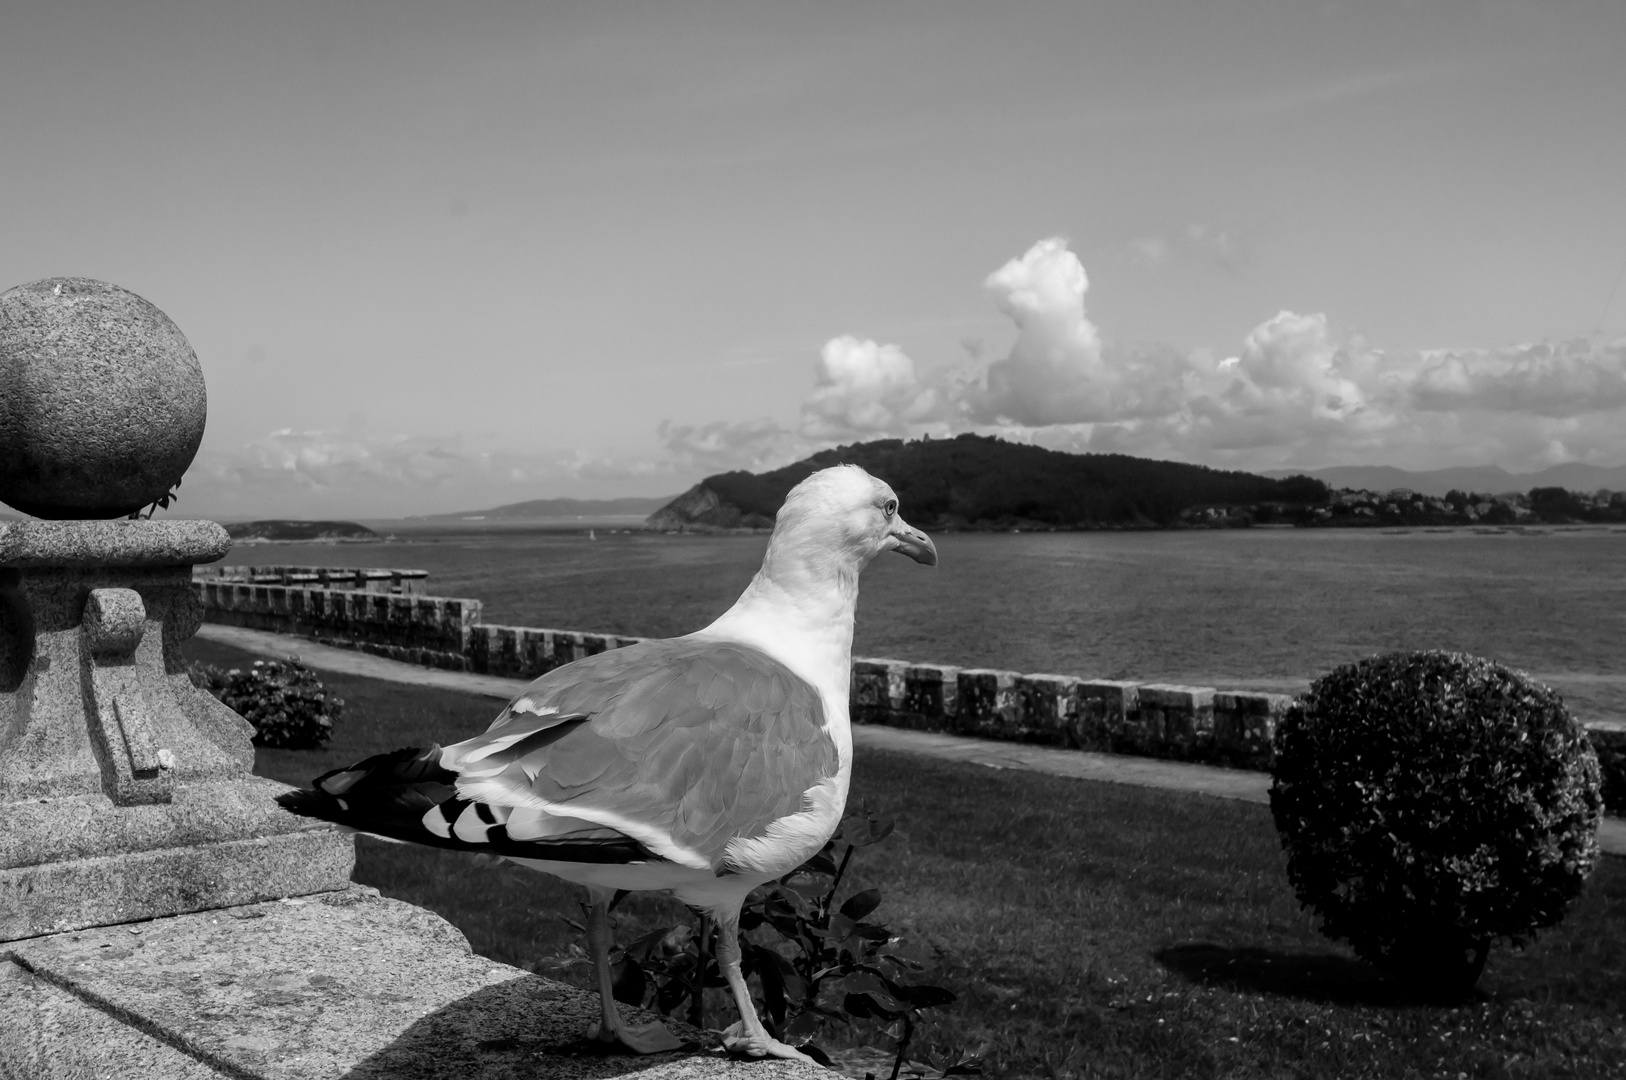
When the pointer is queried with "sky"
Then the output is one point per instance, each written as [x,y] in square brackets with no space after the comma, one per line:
[438,257]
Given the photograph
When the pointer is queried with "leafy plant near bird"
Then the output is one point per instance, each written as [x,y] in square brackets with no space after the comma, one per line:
[160,503]
[821,965]
[283,699]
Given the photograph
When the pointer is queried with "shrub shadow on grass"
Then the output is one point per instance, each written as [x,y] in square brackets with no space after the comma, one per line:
[1322,977]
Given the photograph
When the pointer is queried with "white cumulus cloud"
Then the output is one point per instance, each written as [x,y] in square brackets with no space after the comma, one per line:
[1561,379]
[1296,391]
[864,389]
[1057,371]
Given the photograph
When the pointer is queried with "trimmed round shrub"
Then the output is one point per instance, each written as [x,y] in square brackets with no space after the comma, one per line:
[1430,804]
[283,699]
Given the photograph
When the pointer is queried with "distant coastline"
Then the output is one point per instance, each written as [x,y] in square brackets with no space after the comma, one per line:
[292,531]
[977,483]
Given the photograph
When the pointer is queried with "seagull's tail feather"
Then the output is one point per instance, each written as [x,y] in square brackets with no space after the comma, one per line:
[410,795]
[386,794]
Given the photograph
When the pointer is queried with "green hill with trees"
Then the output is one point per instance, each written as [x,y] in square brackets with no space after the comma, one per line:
[979,481]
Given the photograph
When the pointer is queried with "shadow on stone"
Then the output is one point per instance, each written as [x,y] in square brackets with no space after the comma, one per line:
[522,1028]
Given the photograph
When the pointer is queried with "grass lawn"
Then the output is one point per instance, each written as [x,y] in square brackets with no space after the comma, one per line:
[1091,930]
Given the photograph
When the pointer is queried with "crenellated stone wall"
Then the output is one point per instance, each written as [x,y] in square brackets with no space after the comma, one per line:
[1189,723]
[364,579]
[434,631]
[1186,723]
[1161,720]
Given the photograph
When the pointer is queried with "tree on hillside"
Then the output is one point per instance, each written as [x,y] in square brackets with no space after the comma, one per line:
[979,478]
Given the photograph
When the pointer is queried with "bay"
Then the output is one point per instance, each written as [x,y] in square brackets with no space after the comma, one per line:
[1265,609]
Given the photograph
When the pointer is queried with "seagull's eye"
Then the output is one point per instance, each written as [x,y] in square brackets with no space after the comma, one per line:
[890,507]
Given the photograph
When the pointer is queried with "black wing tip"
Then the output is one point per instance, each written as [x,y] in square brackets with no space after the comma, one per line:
[307,803]
[397,766]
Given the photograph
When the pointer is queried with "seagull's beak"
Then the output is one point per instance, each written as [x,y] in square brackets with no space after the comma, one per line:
[905,539]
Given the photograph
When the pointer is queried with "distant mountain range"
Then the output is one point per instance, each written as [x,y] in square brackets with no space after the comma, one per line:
[977,481]
[557,508]
[1487,479]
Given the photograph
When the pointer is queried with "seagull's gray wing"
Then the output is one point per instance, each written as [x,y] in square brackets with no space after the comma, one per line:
[680,744]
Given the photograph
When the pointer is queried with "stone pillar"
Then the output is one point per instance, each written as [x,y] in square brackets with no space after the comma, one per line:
[126,791]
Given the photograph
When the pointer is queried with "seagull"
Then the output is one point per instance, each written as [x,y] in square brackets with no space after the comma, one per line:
[701,766]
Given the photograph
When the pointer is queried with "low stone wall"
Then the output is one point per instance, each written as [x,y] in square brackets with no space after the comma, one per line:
[1162,720]
[1186,723]
[370,579]
[430,630]
[433,631]
[524,652]
[1189,723]
[1610,743]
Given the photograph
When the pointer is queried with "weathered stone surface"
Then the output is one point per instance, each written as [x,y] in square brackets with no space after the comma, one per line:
[877,690]
[47,1033]
[60,724]
[931,697]
[392,580]
[988,703]
[107,544]
[1049,706]
[102,402]
[1609,742]
[1179,720]
[346,984]
[442,632]
[1109,711]
[126,791]
[70,894]
[1245,726]
[89,826]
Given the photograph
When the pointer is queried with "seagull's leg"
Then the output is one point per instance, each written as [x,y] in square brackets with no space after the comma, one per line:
[649,1038]
[747,1038]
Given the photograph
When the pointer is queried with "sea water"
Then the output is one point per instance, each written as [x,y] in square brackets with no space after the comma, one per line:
[1266,609]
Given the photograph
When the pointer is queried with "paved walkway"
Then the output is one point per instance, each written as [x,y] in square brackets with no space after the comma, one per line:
[1079,764]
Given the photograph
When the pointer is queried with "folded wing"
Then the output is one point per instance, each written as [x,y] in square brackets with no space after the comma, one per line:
[678,746]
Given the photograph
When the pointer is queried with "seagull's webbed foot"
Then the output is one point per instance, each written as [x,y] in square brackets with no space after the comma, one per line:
[740,1041]
[612,1030]
[747,1038]
[650,1038]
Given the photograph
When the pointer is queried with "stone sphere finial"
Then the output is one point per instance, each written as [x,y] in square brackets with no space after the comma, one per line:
[102,403]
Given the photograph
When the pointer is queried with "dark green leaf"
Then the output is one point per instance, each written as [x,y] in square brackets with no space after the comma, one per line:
[769,973]
[819,864]
[860,904]
[801,1026]
[927,997]
[628,982]
[817,1055]
[872,1007]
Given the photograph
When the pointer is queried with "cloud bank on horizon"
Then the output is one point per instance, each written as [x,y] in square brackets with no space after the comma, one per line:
[1297,393]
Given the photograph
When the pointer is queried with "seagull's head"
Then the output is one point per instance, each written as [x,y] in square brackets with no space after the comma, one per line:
[846,512]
